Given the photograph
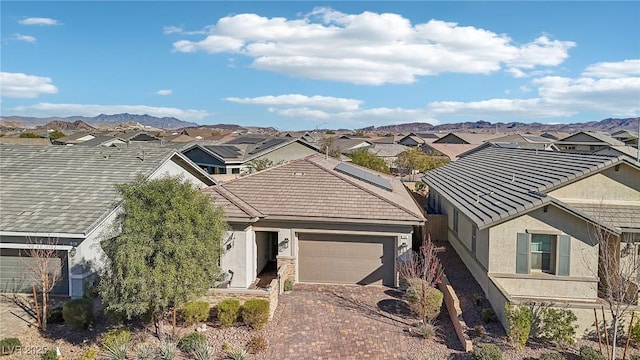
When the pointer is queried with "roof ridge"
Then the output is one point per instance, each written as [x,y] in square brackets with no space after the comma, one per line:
[340,176]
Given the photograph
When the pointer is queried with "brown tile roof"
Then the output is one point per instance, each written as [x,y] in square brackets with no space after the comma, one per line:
[452,151]
[24,141]
[311,188]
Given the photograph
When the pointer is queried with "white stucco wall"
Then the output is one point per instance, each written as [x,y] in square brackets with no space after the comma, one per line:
[171,168]
[607,186]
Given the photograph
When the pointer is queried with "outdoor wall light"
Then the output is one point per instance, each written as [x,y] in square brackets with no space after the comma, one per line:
[283,245]
[72,252]
[403,246]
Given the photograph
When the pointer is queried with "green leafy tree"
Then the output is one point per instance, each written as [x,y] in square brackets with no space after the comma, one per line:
[415,160]
[55,134]
[28,135]
[369,160]
[166,252]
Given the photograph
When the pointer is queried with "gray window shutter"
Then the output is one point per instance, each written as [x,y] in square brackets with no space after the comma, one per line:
[564,254]
[522,254]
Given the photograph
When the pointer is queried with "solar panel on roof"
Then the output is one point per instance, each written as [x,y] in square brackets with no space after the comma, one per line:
[266,145]
[225,151]
[364,175]
[245,140]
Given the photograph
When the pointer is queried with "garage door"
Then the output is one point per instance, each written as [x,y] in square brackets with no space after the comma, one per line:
[346,259]
[15,276]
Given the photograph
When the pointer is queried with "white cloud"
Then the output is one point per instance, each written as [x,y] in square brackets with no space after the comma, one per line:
[297,100]
[19,85]
[164,92]
[613,69]
[25,38]
[370,48]
[167,30]
[39,21]
[49,109]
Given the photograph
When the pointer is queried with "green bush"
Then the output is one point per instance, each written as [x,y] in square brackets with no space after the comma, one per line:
[116,344]
[558,326]
[228,311]
[519,320]
[188,342]
[488,315]
[28,135]
[255,312]
[552,356]
[49,355]
[257,344]
[288,285]
[588,353]
[635,330]
[89,354]
[9,345]
[237,354]
[78,313]
[54,316]
[487,352]
[430,306]
[195,312]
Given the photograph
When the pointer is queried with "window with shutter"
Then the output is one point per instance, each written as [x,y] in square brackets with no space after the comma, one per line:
[564,254]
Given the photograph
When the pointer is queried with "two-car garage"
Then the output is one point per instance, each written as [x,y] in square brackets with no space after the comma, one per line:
[346,259]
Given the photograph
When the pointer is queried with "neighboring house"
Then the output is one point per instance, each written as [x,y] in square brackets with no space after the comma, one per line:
[105,141]
[234,157]
[347,145]
[553,135]
[525,141]
[626,150]
[388,152]
[522,221]
[63,197]
[75,138]
[630,138]
[138,136]
[24,141]
[417,139]
[465,138]
[451,151]
[328,221]
[587,142]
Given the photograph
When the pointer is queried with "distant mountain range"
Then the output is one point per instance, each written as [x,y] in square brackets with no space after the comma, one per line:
[102,119]
[170,123]
[607,125]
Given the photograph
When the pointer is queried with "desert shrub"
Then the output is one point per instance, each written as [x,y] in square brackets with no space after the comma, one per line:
[479,330]
[202,351]
[188,342]
[9,345]
[168,349]
[588,353]
[145,351]
[195,312]
[487,352]
[237,354]
[49,355]
[89,354]
[228,311]
[428,330]
[552,356]
[288,285]
[519,320]
[427,307]
[488,315]
[257,344]
[635,330]
[477,298]
[115,344]
[54,316]
[558,326]
[428,355]
[78,313]
[255,313]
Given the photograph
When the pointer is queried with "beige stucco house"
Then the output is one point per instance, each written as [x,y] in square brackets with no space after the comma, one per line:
[523,221]
[324,220]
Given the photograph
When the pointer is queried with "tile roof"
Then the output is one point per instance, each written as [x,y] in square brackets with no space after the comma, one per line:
[67,189]
[245,150]
[311,188]
[452,151]
[495,183]
[469,138]
[599,137]
[388,150]
[617,216]
[24,141]
[101,140]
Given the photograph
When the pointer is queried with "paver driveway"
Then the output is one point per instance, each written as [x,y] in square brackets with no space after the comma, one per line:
[344,322]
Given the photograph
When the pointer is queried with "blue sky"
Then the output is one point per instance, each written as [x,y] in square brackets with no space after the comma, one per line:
[305,64]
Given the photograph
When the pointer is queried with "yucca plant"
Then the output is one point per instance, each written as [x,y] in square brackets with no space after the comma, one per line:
[116,345]
[168,349]
[145,351]
[237,354]
[202,351]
